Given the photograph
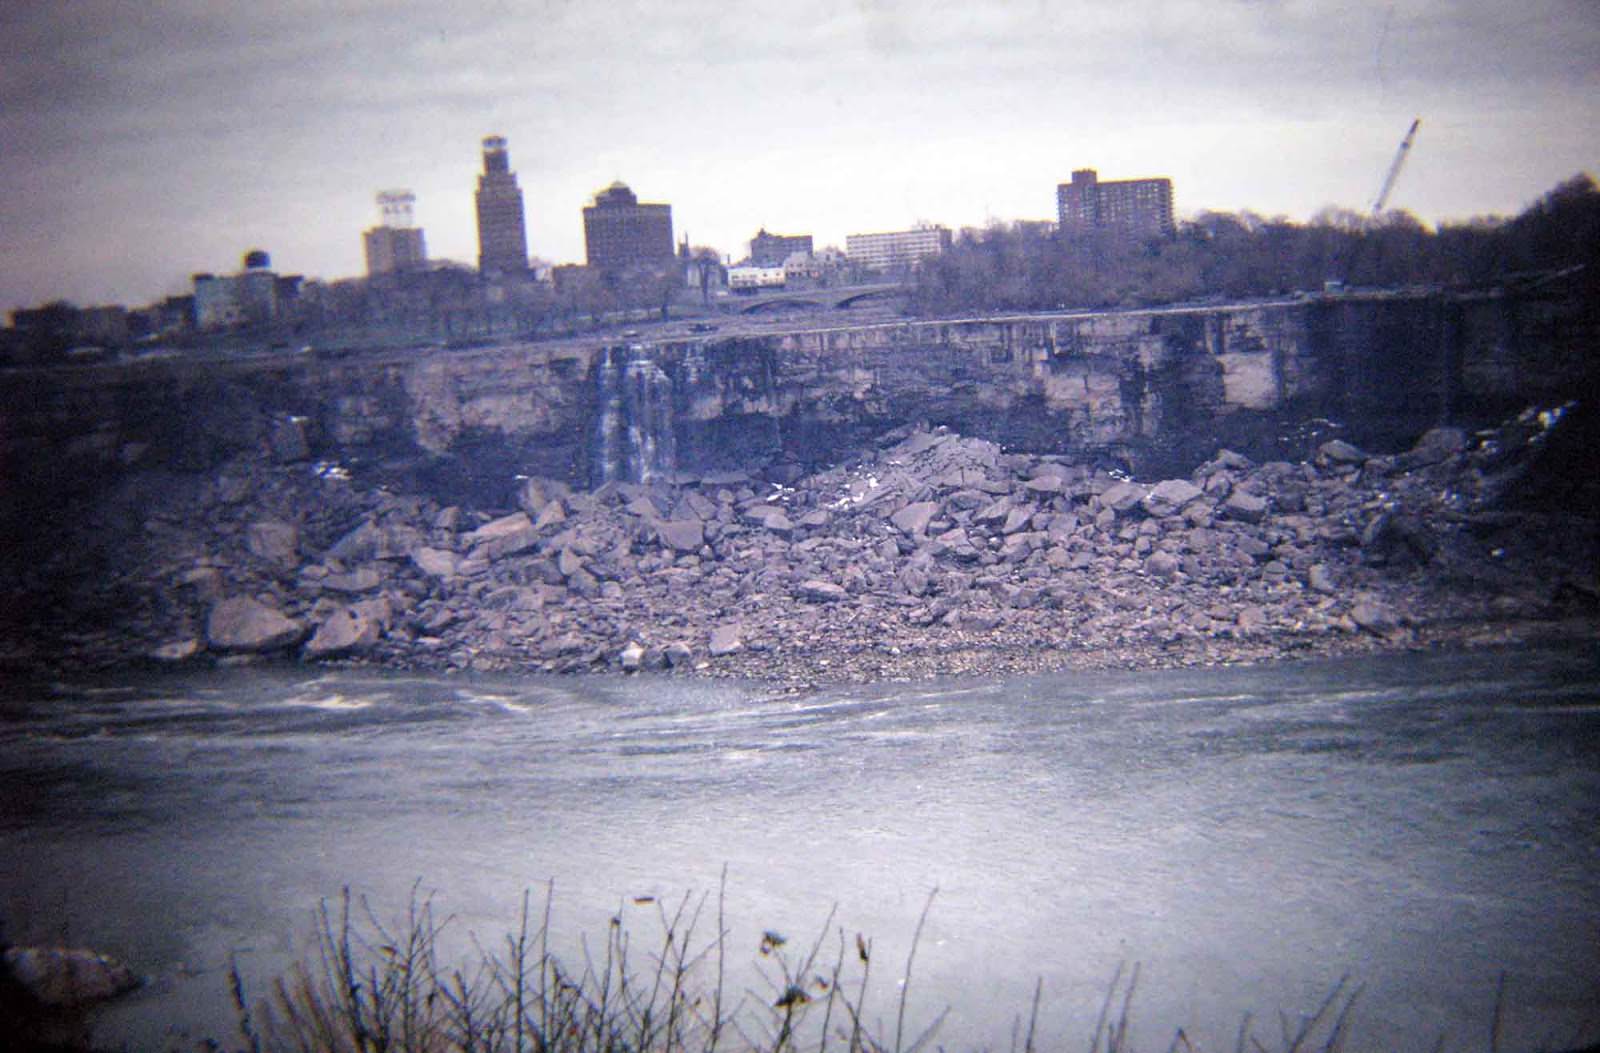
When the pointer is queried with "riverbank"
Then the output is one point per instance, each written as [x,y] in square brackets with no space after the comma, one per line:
[930,554]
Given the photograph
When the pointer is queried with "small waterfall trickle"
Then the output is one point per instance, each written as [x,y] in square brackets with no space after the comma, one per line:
[634,435]
[607,461]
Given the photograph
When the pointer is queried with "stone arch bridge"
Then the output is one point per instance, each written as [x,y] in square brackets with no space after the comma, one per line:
[839,299]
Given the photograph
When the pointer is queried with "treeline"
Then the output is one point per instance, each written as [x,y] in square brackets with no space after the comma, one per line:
[1027,266]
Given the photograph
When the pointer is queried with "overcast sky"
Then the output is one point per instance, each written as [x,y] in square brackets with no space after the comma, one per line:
[140,142]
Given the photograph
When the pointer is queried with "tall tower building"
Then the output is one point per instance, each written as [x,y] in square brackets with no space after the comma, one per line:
[502,237]
[394,245]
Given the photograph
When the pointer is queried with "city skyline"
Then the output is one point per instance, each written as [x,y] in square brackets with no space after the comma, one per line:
[144,148]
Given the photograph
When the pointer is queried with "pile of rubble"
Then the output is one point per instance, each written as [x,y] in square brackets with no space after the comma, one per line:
[933,554]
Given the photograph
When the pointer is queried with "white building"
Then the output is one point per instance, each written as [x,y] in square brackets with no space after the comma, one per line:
[749,278]
[897,249]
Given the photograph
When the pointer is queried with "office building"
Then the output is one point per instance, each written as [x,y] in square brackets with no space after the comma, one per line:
[502,233]
[620,233]
[1139,208]
[255,296]
[395,245]
[773,250]
[896,250]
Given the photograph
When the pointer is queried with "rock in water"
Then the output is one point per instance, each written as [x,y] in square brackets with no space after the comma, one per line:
[177,651]
[347,629]
[63,978]
[244,624]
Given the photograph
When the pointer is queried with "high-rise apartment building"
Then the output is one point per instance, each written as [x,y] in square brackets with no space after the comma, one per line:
[502,235]
[772,250]
[394,245]
[1139,208]
[896,249]
[619,232]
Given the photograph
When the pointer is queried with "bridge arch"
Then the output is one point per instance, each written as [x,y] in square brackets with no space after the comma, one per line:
[847,302]
[777,305]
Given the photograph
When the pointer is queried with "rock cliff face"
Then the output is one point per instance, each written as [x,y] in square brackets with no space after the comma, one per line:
[1154,391]
[1028,490]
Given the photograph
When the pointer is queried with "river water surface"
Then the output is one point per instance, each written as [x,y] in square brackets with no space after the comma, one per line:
[1419,822]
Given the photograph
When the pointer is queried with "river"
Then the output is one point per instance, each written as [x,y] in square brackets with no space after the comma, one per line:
[1421,823]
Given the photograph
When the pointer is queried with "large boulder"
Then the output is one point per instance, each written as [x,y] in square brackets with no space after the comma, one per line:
[632,656]
[819,591]
[362,579]
[273,541]
[769,517]
[241,623]
[1398,538]
[1170,496]
[682,535]
[1124,496]
[995,512]
[349,629]
[569,563]
[1017,519]
[725,640]
[502,537]
[1338,453]
[553,514]
[435,562]
[1245,507]
[537,493]
[66,978]
[1161,565]
[1374,616]
[1436,445]
[914,518]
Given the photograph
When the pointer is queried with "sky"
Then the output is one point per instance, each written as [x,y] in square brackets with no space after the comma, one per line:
[140,143]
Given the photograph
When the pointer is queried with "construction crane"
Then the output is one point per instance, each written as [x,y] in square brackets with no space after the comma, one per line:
[1394,168]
